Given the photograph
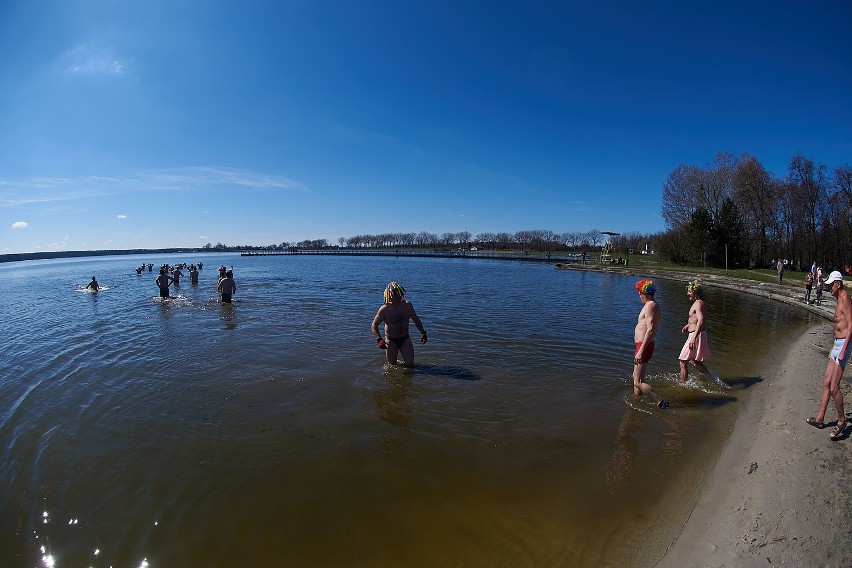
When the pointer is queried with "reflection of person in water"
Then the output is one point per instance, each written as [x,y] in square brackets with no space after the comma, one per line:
[395,314]
[393,404]
[628,449]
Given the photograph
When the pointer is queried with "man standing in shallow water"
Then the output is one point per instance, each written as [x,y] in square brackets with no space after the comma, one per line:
[163,281]
[697,347]
[646,328]
[395,314]
[838,358]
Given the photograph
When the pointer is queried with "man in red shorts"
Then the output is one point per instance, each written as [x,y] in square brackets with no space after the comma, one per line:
[646,328]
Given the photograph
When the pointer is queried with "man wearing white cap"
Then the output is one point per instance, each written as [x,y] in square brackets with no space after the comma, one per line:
[838,358]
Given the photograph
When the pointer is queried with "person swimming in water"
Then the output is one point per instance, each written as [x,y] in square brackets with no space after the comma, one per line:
[93,285]
[395,314]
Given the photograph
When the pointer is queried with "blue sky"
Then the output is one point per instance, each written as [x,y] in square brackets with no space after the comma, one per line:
[173,124]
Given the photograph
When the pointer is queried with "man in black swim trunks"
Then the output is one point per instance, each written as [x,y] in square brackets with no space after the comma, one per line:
[163,281]
[395,314]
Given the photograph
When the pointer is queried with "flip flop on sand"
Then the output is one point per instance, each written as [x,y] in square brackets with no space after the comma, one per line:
[838,431]
[813,422]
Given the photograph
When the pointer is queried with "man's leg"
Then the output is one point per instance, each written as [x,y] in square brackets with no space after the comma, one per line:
[640,387]
[701,367]
[391,352]
[834,391]
[407,351]
[683,371]
[826,390]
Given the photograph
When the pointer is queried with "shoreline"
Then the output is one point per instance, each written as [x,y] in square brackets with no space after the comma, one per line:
[787,294]
[777,495]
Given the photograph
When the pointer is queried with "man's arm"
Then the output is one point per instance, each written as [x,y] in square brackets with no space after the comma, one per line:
[418,324]
[380,317]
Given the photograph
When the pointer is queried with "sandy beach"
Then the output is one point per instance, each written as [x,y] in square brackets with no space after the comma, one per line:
[779,494]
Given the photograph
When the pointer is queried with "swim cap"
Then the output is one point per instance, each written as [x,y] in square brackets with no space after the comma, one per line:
[695,286]
[646,287]
[393,289]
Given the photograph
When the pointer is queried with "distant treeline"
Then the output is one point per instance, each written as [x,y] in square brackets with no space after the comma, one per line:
[735,208]
[78,253]
[530,240]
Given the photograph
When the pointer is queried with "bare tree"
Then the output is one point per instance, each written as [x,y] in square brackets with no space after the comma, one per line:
[594,237]
[680,195]
[809,185]
[755,192]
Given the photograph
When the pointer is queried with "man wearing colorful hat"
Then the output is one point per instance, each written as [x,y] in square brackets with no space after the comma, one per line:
[697,347]
[395,314]
[646,328]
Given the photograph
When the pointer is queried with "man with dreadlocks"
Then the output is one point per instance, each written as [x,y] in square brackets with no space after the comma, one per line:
[646,328]
[697,347]
[395,314]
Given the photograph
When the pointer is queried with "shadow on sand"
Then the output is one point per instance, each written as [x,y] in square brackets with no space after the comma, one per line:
[741,383]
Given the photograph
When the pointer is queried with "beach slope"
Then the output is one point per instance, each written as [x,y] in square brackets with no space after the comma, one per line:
[781,492]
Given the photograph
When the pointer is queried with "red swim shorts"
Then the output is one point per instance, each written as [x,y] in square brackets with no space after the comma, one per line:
[649,351]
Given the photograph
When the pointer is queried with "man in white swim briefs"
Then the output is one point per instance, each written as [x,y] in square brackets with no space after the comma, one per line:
[837,359]
[697,347]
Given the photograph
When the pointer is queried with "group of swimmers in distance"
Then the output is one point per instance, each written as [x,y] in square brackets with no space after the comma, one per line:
[226,286]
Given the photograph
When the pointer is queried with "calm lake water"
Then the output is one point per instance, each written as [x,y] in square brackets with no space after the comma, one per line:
[136,432]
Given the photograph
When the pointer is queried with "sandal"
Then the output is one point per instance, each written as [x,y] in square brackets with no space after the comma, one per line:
[838,431]
[813,422]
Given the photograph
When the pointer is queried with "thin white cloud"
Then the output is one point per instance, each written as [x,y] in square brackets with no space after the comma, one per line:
[46,189]
[202,237]
[92,60]
[19,225]
[122,216]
